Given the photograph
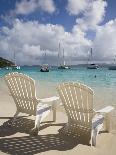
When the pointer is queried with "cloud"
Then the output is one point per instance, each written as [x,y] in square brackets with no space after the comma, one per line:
[89,16]
[75,7]
[30,40]
[104,43]
[92,17]
[25,7]
[92,12]
[47,5]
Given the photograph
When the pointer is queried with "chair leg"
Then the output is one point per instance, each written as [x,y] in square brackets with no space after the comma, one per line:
[93,138]
[37,121]
[15,116]
[54,111]
[35,130]
[41,113]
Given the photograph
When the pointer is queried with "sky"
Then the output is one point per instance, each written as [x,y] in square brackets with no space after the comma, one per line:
[31,28]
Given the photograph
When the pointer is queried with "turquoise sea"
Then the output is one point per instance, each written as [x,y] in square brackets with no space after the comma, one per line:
[102,80]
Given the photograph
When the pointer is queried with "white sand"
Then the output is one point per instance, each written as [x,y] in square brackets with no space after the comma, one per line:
[18,141]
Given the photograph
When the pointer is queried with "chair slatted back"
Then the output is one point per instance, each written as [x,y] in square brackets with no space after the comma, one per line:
[78,103]
[22,89]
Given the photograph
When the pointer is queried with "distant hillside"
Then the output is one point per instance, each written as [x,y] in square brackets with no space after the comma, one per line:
[5,63]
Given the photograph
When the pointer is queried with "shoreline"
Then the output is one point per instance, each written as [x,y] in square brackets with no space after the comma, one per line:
[102,96]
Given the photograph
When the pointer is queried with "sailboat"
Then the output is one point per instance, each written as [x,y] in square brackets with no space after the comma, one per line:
[62,65]
[15,67]
[44,67]
[92,65]
[113,66]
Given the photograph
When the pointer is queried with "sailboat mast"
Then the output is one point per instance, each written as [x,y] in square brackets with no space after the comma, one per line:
[14,58]
[59,54]
[91,52]
[63,58]
[88,59]
[114,59]
[45,58]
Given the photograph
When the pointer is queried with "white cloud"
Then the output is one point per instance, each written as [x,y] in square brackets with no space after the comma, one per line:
[92,12]
[30,40]
[47,5]
[105,41]
[93,15]
[26,7]
[76,7]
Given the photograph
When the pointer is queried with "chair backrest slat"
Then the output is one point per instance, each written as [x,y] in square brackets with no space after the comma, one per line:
[78,102]
[23,91]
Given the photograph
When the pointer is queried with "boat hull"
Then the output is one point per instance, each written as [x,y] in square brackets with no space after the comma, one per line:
[112,68]
[63,67]
[13,68]
[43,70]
[92,66]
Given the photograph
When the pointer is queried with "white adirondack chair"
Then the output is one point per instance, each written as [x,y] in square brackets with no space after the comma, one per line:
[78,103]
[22,89]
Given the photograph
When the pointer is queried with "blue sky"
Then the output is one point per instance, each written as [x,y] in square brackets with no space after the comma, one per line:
[110,10]
[78,25]
[59,17]
[43,17]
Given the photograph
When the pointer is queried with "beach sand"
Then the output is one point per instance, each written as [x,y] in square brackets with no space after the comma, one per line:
[17,141]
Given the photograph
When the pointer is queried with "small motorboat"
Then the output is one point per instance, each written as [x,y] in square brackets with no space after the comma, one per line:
[44,68]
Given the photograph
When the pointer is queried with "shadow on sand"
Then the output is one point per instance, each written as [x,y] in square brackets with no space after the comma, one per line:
[30,145]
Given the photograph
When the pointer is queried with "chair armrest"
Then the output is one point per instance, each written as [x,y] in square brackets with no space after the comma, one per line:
[105,110]
[106,113]
[52,102]
[49,99]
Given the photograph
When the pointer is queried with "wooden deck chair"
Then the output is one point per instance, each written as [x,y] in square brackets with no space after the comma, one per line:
[22,89]
[78,103]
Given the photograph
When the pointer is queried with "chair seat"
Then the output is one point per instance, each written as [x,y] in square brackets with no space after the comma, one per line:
[43,110]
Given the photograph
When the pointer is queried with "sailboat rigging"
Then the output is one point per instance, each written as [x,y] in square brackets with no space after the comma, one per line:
[44,67]
[15,65]
[92,65]
[113,66]
[63,64]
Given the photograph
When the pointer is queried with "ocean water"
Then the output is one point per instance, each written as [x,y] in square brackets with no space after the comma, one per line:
[102,81]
